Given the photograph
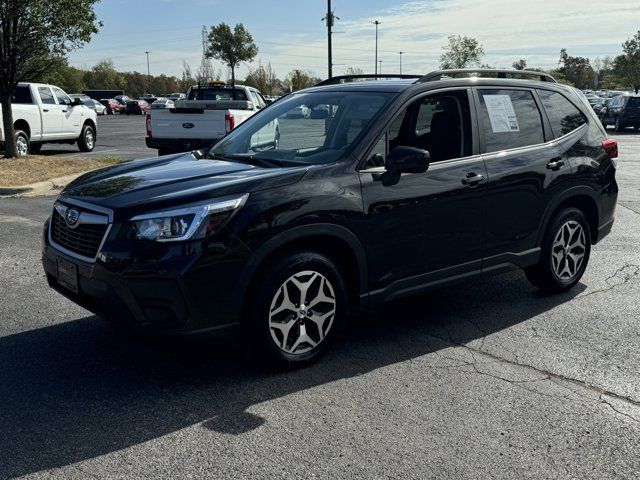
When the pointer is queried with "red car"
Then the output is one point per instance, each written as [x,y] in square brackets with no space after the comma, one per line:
[113,106]
[137,107]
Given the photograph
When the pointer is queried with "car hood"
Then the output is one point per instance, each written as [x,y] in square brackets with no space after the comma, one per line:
[171,180]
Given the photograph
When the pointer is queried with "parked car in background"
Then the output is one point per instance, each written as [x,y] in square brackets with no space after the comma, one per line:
[99,108]
[122,100]
[176,96]
[207,115]
[599,105]
[162,103]
[137,107]
[113,106]
[148,97]
[46,114]
[622,112]
[80,96]
[302,111]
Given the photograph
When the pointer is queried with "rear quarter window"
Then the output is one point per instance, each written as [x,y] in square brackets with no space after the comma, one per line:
[22,96]
[509,119]
[563,115]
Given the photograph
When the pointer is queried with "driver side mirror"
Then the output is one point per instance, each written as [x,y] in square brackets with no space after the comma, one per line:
[407,160]
[76,101]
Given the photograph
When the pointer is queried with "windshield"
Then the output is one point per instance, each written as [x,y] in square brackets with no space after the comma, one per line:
[303,128]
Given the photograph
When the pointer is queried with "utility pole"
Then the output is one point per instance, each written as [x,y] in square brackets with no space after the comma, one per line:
[330,18]
[376,23]
[148,73]
[380,69]
[400,53]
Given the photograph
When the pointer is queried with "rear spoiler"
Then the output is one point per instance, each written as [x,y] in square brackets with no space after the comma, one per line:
[214,104]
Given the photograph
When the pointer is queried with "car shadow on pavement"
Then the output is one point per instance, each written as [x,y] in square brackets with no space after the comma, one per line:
[81,389]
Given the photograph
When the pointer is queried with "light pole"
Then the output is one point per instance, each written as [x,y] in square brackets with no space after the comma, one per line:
[400,53]
[376,23]
[148,73]
[380,69]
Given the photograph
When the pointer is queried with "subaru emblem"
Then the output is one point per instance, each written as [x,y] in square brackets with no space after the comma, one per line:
[72,216]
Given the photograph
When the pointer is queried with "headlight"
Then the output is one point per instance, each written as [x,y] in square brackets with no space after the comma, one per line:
[182,224]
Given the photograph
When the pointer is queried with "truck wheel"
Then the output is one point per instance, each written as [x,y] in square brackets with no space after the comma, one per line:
[618,125]
[22,143]
[87,139]
[295,309]
[564,252]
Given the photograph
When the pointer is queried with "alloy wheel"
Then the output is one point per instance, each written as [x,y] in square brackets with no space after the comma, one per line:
[302,312]
[22,145]
[88,138]
[568,250]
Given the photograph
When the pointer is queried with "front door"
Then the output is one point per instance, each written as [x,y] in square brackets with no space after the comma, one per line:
[51,114]
[425,227]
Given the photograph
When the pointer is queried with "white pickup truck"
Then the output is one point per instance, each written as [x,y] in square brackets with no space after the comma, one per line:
[207,114]
[45,114]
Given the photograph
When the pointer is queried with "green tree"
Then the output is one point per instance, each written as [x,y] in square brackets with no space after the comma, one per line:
[461,52]
[231,47]
[34,35]
[298,79]
[578,71]
[68,78]
[353,71]
[628,64]
[520,64]
[263,78]
[103,76]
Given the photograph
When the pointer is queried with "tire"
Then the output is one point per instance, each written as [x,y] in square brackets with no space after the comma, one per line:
[22,143]
[618,125]
[35,148]
[559,267]
[87,139]
[297,339]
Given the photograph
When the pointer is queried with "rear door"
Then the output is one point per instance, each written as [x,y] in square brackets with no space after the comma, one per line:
[51,114]
[525,168]
[422,228]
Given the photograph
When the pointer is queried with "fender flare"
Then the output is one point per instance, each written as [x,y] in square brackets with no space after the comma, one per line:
[304,231]
[562,197]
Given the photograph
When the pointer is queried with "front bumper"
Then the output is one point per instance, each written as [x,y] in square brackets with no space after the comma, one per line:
[160,292]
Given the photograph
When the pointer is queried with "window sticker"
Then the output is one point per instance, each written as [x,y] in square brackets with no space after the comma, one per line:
[503,117]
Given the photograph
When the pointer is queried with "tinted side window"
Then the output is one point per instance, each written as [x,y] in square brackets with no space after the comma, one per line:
[22,95]
[63,98]
[45,96]
[510,119]
[563,115]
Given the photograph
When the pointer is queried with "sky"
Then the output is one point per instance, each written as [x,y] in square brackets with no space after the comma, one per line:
[290,34]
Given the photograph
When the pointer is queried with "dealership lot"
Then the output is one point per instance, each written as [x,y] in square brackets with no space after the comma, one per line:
[118,136]
[488,379]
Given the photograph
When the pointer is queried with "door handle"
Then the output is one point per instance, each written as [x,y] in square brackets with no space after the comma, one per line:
[64,111]
[472,179]
[45,109]
[555,164]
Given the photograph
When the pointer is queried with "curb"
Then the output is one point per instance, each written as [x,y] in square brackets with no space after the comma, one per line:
[46,187]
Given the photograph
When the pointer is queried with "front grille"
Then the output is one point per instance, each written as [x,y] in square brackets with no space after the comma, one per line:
[83,240]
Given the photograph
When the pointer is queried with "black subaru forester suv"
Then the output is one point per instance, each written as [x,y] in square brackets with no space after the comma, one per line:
[388,188]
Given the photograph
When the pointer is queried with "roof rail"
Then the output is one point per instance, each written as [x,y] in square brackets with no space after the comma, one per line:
[480,72]
[364,76]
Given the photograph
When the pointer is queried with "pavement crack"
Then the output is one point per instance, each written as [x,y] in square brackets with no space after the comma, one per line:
[610,405]
[622,276]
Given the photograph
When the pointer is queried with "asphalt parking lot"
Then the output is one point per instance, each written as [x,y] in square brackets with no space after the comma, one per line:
[118,136]
[488,379]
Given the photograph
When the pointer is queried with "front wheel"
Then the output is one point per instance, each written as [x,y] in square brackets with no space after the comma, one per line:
[618,125]
[565,251]
[87,139]
[296,309]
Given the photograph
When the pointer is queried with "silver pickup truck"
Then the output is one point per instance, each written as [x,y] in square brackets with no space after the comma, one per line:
[204,117]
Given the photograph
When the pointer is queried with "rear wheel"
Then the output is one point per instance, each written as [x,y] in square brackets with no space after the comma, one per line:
[296,309]
[22,143]
[87,139]
[566,247]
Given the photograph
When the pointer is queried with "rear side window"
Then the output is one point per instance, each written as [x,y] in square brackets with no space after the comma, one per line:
[510,119]
[22,95]
[633,103]
[563,115]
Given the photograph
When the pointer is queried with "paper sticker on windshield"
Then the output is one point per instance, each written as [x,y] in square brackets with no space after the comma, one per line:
[503,117]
